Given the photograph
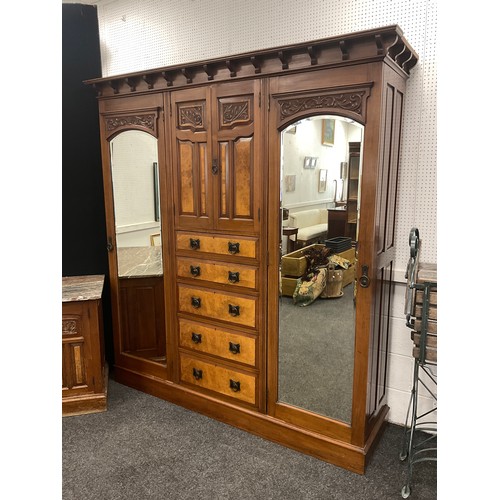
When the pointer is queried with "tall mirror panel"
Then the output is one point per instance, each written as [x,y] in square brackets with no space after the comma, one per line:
[320,182]
[134,167]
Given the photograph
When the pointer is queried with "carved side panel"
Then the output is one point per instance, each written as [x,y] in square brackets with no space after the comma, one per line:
[386,208]
[74,373]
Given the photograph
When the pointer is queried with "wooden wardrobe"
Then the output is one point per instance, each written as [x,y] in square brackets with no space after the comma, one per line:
[195,317]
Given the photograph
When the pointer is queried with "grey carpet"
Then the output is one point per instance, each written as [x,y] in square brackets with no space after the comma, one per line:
[316,355]
[146,448]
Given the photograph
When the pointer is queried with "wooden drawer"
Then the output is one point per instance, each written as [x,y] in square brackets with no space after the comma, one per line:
[215,272]
[232,383]
[221,245]
[217,341]
[220,306]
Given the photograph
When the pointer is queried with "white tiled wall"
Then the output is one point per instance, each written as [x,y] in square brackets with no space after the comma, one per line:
[154,33]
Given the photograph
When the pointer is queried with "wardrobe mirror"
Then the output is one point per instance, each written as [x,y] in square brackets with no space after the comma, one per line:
[134,168]
[320,213]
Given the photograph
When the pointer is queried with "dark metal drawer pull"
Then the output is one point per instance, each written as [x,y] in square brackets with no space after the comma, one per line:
[194,243]
[196,302]
[196,337]
[234,310]
[233,277]
[195,270]
[234,386]
[197,374]
[234,348]
[233,247]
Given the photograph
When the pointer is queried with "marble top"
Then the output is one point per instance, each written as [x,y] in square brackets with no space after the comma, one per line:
[78,288]
[139,262]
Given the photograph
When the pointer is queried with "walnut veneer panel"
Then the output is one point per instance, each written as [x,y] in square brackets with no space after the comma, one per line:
[217,341]
[217,378]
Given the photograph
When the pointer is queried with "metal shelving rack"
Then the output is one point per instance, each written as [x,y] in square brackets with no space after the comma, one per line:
[420,431]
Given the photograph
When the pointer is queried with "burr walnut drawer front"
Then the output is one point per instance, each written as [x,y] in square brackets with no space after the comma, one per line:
[220,245]
[217,272]
[232,383]
[216,305]
[217,341]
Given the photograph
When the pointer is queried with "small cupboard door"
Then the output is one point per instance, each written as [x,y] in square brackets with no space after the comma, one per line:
[217,156]
[191,153]
[237,146]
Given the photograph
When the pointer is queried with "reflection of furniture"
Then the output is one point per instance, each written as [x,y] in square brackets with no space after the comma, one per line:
[352,190]
[289,231]
[84,372]
[294,265]
[337,219]
[312,225]
[218,125]
[155,240]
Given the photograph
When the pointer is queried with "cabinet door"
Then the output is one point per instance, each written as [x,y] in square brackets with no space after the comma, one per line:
[237,146]
[191,154]
[77,376]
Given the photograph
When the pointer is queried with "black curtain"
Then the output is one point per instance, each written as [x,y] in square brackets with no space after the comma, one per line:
[83,217]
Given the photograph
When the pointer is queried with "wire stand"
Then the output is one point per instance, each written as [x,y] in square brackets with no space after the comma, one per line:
[420,431]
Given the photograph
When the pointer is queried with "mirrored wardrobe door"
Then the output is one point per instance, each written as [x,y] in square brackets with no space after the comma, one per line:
[136,205]
[319,200]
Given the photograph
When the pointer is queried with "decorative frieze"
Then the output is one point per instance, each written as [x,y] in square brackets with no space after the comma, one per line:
[352,102]
[142,120]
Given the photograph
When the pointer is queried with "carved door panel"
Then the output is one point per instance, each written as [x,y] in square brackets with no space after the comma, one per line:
[237,124]
[191,153]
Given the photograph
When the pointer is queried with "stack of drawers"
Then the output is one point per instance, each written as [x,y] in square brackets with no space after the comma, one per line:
[218,305]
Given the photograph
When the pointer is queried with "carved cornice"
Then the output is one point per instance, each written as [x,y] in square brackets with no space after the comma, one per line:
[381,44]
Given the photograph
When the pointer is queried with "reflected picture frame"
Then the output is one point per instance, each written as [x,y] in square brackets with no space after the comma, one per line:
[328,132]
[322,180]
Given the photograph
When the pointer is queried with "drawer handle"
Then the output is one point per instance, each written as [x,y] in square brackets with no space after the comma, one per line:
[195,270]
[196,302]
[197,374]
[234,310]
[234,348]
[196,337]
[234,385]
[233,247]
[194,243]
[233,277]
